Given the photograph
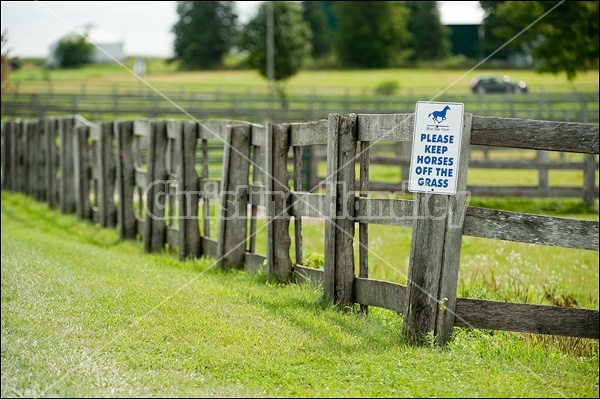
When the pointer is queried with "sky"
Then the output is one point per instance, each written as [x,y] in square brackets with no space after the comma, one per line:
[145,27]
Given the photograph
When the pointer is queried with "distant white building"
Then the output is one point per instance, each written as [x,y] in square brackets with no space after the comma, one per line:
[108,46]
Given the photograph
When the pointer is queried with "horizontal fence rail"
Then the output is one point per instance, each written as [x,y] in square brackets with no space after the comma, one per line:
[491,137]
[152,180]
[111,102]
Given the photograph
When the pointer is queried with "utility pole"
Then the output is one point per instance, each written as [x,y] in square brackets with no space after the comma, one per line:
[270,54]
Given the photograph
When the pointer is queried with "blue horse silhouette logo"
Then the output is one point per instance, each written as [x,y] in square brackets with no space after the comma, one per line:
[439,116]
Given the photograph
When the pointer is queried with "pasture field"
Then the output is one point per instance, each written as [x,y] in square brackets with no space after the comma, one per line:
[105,92]
[165,77]
[85,314]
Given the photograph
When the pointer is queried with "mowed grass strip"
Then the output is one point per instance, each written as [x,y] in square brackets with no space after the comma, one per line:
[86,314]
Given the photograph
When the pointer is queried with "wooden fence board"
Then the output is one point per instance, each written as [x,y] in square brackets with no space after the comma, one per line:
[297,219]
[125,179]
[7,156]
[309,133]
[256,194]
[67,191]
[234,198]
[188,196]
[81,171]
[106,181]
[385,127]
[536,319]
[254,262]
[535,134]
[31,150]
[14,130]
[435,256]
[307,204]
[52,162]
[363,228]
[304,274]
[156,191]
[590,192]
[259,135]
[280,264]
[330,200]
[446,294]
[339,230]
[534,229]
[383,294]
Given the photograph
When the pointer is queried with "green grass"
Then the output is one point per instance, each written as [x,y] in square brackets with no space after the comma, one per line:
[86,314]
[111,91]
[415,81]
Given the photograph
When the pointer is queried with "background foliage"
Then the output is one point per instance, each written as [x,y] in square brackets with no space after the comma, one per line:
[73,51]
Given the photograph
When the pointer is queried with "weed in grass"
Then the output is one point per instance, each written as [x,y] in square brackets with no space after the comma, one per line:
[516,287]
[575,346]
[315,260]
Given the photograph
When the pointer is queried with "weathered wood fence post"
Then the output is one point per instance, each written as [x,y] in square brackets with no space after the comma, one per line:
[82,172]
[589,180]
[67,189]
[542,170]
[52,159]
[32,149]
[20,142]
[234,198]
[41,191]
[27,154]
[435,257]
[279,263]
[125,180]
[155,232]
[13,161]
[7,157]
[186,138]
[106,184]
[340,200]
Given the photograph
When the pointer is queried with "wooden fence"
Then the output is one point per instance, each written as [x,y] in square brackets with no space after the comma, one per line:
[254,106]
[150,179]
[541,162]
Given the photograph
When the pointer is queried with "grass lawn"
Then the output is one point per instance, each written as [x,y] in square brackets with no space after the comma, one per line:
[86,314]
[165,76]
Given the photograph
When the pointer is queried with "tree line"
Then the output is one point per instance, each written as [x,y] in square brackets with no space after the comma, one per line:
[361,34]
[560,36]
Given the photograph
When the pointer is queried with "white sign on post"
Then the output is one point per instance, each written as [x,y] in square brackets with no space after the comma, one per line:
[436,147]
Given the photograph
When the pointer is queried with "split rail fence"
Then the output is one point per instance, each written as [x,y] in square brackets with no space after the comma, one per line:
[150,179]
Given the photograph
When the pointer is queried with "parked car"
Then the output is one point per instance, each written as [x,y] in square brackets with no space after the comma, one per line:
[483,84]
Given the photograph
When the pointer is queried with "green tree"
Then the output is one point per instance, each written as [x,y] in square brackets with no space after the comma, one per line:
[314,14]
[430,36]
[372,34]
[204,33]
[291,36]
[330,16]
[73,51]
[5,64]
[491,43]
[564,40]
